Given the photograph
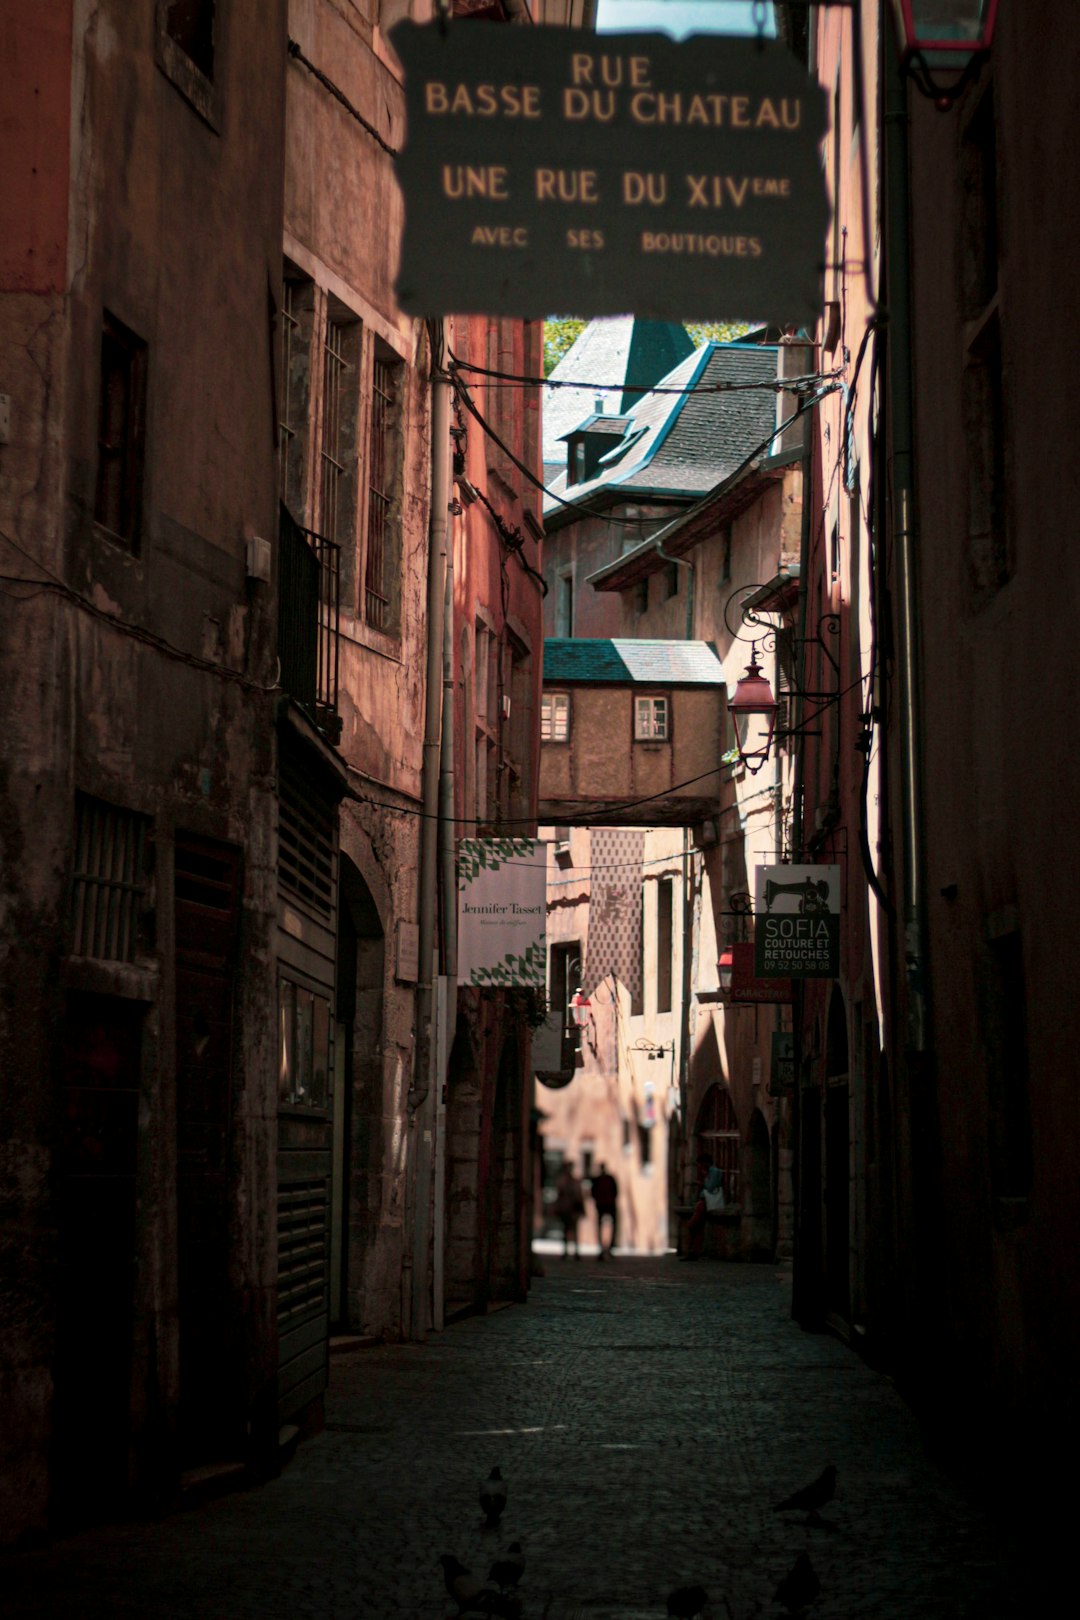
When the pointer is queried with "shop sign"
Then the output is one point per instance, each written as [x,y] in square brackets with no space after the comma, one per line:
[544,168]
[797,922]
[502,911]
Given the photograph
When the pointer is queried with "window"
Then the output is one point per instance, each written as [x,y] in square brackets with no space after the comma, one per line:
[564,606]
[297,315]
[190,25]
[651,719]
[379,585]
[725,556]
[121,432]
[109,880]
[641,595]
[665,910]
[337,515]
[187,41]
[555,717]
[671,581]
[304,1046]
[564,978]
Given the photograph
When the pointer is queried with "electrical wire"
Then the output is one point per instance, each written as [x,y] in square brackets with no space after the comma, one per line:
[775,385]
[57,587]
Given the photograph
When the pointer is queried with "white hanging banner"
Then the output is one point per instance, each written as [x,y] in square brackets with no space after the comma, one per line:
[502,911]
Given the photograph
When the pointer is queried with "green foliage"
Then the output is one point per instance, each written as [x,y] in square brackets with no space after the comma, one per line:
[561,331]
[719,331]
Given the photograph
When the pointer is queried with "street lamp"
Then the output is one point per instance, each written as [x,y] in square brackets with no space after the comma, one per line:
[943,35]
[580,1008]
[753,710]
[723,970]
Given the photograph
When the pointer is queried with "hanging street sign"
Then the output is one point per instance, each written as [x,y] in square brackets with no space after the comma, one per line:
[502,911]
[547,169]
[797,922]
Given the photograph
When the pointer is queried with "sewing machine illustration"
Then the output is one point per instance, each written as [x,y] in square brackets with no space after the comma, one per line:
[813,897]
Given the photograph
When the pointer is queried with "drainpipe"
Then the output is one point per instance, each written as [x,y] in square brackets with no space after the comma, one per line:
[421,1099]
[688,932]
[905,542]
[448,880]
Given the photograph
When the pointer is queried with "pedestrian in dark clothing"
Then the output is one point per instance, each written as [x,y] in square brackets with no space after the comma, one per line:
[569,1207]
[605,1194]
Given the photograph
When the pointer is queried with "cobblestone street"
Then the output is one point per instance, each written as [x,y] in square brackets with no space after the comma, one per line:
[647,1416]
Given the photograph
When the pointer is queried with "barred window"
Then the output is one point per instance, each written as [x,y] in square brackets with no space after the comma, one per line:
[382,467]
[297,315]
[109,880]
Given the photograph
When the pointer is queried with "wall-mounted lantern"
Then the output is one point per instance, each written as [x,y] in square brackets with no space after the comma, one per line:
[753,710]
[943,36]
[723,968]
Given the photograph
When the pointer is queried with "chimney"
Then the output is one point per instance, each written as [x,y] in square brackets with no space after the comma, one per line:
[794,358]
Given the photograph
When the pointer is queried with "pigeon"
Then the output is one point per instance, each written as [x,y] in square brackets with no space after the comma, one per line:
[812,1498]
[800,1586]
[508,1570]
[686,1601]
[493,1497]
[461,1583]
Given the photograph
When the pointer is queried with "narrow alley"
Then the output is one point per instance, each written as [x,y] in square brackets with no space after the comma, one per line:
[647,1416]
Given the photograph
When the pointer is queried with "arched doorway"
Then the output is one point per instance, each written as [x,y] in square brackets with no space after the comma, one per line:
[837,1164]
[358,1141]
[717,1134]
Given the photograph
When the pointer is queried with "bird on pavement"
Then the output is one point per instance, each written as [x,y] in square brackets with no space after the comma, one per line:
[461,1583]
[686,1601]
[507,1571]
[812,1498]
[493,1497]
[800,1587]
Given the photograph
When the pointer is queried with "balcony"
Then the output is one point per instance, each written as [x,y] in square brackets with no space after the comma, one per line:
[309,586]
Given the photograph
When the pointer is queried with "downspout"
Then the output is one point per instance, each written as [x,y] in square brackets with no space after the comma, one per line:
[688,931]
[905,542]
[421,1100]
[448,878]
[802,1287]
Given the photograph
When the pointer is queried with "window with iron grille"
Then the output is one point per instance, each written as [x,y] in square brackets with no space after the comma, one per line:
[379,584]
[297,314]
[306,844]
[109,880]
[121,432]
[338,443]
[651,719]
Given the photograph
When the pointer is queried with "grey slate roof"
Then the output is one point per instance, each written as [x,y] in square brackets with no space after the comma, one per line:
[615,349]
[687,443]
[623,662]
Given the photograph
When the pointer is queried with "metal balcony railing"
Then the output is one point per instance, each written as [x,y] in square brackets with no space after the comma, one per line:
[309,595]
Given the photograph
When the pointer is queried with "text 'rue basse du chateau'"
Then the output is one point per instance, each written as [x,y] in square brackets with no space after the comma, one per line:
[602,86]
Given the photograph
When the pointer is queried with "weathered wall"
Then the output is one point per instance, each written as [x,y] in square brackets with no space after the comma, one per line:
[141,678]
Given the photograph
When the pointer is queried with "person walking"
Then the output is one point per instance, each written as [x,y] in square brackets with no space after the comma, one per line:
[605,1195]
[569,1207]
